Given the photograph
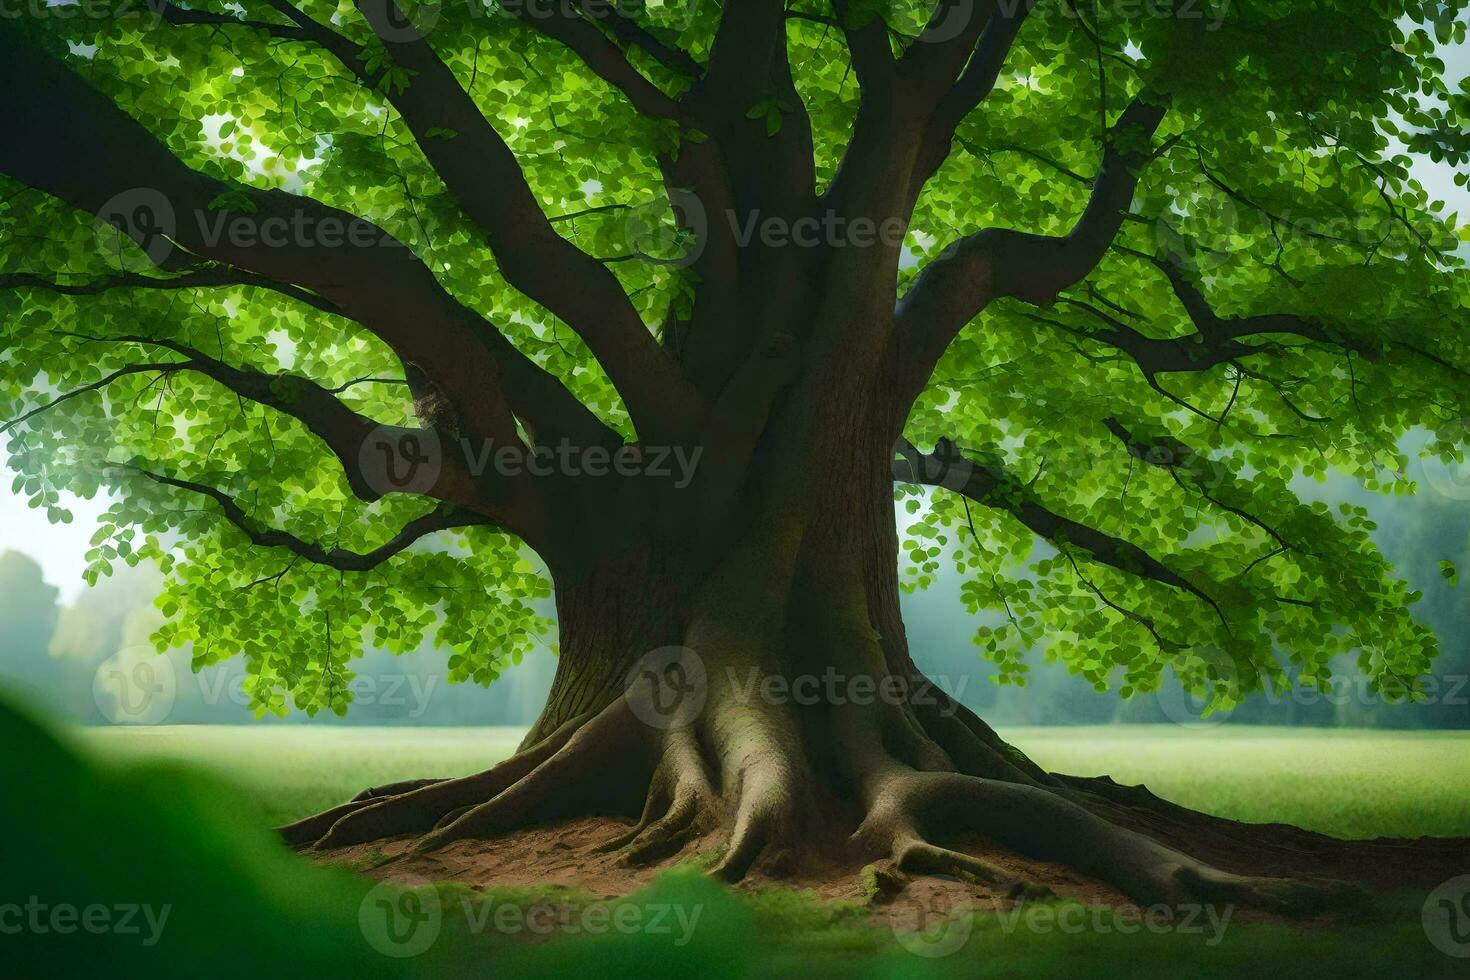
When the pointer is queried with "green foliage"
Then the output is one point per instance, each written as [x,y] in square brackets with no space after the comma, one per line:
[1281,187]
[1282,180]
[161,836]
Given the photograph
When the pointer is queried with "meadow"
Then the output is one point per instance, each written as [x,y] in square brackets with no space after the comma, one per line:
[178,816]
[1346,782]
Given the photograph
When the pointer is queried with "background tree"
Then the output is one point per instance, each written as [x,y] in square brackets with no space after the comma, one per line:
[386,283]
[28,608]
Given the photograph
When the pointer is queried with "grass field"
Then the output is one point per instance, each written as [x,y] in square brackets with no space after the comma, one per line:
[188,837]
[1350,783]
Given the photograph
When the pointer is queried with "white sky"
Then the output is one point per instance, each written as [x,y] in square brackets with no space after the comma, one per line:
[59,547]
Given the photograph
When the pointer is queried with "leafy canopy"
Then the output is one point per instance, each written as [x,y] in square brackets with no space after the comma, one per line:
[1277,184]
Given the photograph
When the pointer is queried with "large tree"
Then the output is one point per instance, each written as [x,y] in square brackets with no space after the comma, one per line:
[350,306]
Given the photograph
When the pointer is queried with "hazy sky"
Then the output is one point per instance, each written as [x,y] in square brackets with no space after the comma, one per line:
[59,547]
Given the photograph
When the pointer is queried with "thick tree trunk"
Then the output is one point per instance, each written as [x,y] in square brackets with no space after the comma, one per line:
[763,694]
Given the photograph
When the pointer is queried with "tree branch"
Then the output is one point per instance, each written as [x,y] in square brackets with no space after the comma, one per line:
[973,86]
[998,262]
[440,519]
[173,211]
[1185,465]
[204,278]
[484,176]
[569,26]
[348,435]
[991,486]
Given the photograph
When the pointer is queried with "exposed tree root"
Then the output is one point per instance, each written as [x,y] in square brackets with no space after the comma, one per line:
[421,805]
[922,803]
[915,809]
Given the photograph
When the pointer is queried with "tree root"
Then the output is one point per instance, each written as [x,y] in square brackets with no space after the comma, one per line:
[914,809]
[422,805]
[920,803]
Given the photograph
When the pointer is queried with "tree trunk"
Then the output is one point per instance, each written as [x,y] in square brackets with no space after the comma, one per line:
[764,695]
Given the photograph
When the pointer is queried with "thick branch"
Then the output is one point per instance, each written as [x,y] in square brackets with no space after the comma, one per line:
[485,178]
[748,83]
[289,239]
[201,279]
[974,85]
[999,262]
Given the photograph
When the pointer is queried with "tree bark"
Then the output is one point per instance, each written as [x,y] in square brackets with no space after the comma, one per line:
[762,694]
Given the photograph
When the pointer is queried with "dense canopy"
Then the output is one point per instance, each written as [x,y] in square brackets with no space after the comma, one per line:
[1120,460]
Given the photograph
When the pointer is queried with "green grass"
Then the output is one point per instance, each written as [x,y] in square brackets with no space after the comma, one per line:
[293,771]
[153,829]
[1346,782]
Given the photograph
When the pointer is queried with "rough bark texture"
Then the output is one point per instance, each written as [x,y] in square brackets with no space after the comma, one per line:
[791,727]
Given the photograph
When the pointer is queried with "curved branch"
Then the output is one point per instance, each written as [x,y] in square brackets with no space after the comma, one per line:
[572,28]
[634,34]
[485,178]
[1001,28]
[439,519]
[1000,262]
[990,486]
[201,279]
[351,438]
[1184,464]
[173,211]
